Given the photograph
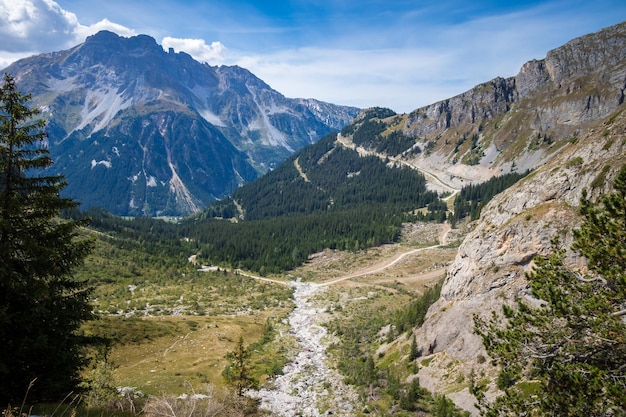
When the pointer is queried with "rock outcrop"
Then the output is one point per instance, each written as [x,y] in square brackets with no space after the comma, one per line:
[521,122]
[576,95]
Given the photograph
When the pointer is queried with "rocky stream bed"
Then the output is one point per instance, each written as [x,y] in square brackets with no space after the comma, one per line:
[307,387]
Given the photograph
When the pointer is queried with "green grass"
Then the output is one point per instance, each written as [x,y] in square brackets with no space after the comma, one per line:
[169,325]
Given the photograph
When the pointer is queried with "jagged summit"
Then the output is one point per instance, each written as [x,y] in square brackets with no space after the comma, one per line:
[143,131]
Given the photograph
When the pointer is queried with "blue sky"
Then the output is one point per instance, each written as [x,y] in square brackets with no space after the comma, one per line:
[398,54]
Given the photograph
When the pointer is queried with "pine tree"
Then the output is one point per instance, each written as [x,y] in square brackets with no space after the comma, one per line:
[41,305]
[567,357]
[237,372]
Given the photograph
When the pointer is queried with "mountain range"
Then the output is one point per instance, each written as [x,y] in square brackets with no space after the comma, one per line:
[138,130]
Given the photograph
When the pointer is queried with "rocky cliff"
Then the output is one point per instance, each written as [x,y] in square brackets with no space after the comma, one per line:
[521,122]
[575,99]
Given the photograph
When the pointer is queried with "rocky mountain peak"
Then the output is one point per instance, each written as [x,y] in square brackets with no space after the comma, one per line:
[156,132]
[520,122]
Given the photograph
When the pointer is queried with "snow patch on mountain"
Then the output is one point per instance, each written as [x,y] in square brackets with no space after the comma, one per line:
[95,163]
[62,85]
[272,135]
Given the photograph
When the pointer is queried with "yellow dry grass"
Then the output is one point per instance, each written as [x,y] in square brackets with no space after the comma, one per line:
[192,355]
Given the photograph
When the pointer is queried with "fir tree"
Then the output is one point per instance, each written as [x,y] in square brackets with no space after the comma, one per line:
[237,372]
[41,305]
[566,357]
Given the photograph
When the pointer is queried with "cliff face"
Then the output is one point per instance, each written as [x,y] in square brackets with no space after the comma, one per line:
[575,97]
[522,122]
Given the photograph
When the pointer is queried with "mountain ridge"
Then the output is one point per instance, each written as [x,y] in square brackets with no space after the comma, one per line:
[101,96]
[552,93]
[575,99]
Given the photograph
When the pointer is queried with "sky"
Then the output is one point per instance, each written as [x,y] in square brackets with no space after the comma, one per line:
[400,54]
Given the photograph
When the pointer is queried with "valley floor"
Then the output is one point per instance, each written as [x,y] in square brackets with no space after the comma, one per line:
[309,385]
[175,353]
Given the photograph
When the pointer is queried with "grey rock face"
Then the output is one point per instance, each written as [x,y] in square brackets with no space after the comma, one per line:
[574,94]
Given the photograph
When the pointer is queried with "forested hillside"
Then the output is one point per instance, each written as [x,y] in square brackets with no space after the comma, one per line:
[326,177]
[325,196]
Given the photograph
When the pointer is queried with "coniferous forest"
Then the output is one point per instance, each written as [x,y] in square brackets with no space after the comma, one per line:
[323,197]
[339,200]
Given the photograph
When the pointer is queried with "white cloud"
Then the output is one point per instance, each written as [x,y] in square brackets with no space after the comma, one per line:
[28,27]
[197,48]
[34,24]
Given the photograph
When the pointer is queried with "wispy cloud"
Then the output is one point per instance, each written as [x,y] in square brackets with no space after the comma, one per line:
[361,78]
[33,26]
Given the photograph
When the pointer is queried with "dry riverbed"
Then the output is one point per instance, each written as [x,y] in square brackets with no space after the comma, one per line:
[308,386]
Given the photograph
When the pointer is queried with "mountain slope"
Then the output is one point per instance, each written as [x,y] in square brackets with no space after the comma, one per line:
[517,123]
[566,119]
[328,177]
[141,131]
[563,117]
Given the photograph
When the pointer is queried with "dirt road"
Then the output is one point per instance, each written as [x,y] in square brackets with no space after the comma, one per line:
[387,263]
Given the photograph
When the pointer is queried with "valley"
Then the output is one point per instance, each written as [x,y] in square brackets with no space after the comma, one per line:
[186,352]
[308,387]
[382,266]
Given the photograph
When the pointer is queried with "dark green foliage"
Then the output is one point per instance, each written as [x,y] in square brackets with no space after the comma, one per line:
[414,394]
[339,179]
[396,143]
[413,316]
[414,353]
[474,197]
[393,385]
[572,347]
[385,379]
[275,245]
[356,362]
[41,305]
[368,114]
[237,372]
[369,133]
[378,113]
[150,235]
[444,407]
[348,203]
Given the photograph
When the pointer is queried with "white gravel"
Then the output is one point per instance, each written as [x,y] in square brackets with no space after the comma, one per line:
[307,387]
